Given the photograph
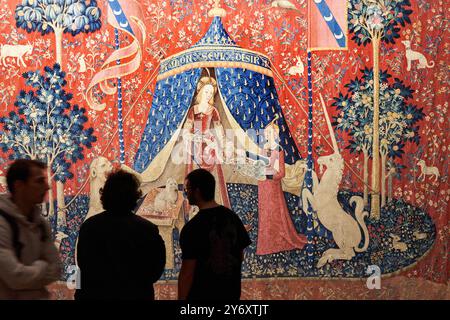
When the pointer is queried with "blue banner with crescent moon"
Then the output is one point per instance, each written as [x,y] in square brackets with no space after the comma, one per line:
[120,15]
[332,23]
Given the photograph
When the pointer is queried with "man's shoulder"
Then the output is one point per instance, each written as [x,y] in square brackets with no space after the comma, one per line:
[203,217]
[6,209]
[44,222]
[94,223]
[219,209]
[192,226]
[6,219]
[227,212]
[93,220]
[145,223]
[191,223]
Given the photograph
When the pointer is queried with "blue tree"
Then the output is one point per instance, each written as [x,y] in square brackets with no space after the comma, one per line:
[375,21]
[58,16]
[46,126]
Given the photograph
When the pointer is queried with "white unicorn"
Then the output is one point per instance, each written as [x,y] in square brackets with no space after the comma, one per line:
[323,199]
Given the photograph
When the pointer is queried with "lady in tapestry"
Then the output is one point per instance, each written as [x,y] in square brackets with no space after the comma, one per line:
[206,136]
[276,232]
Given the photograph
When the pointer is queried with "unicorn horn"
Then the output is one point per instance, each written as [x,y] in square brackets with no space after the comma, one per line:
[330,128]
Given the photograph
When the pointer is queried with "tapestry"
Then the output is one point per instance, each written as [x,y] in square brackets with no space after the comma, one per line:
[324,122]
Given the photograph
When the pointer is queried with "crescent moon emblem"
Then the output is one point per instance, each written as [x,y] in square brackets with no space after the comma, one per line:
[328,18]
[339,36]
[117,12]
[317,1]
[123,24]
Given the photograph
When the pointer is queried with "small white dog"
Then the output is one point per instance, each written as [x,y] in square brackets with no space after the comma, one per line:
[167,198]
[412,55]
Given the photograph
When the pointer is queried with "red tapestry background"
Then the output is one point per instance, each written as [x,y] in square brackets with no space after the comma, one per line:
[414,189]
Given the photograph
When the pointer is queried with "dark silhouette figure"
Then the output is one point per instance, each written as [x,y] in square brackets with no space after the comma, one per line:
[212,245]
[120,255]
[28,257]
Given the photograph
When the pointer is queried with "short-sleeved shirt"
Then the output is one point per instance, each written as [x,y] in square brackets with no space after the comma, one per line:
[215,238]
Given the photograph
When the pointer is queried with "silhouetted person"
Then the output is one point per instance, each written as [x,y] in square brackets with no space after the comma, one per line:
[212,245]
[28,257]
[120,255]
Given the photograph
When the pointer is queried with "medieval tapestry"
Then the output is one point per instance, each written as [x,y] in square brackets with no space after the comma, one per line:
[324,122]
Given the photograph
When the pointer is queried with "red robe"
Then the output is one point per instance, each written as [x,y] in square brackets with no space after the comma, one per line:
[199,154]
[276,231]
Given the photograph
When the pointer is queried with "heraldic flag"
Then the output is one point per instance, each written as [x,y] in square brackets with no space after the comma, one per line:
[327,24]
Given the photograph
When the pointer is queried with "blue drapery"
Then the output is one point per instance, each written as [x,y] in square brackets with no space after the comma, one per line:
[250,96]
[171,101]
[252,99]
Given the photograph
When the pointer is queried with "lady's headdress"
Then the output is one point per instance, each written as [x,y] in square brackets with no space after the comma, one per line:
[207,80]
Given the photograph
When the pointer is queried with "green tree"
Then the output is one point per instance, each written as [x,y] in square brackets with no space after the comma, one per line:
[398,120]
[375,21]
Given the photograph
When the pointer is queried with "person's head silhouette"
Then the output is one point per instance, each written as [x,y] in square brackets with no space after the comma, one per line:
[121,192]
[199,186]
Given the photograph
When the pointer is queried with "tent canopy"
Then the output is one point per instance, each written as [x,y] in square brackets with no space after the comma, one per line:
[245,84]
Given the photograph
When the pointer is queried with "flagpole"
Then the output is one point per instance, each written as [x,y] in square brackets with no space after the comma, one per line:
[310,246]
[119,103]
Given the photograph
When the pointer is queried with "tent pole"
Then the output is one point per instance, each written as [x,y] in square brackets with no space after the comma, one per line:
[119,104]
[310,246]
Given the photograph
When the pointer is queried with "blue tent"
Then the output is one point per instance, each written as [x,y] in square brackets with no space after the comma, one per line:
[245,84]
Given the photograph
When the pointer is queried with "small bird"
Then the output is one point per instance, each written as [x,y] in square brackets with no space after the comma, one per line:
[284,4]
